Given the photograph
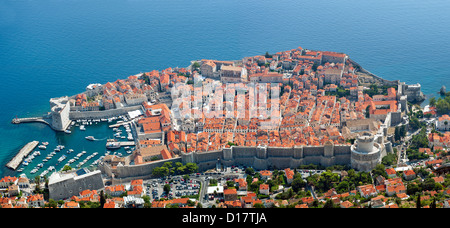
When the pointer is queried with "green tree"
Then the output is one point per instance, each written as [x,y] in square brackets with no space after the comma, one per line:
[166,188]
[258,205]
[160,171]
[102,199]
[428,184]
[368,111]
[329,204]
[397,134]
[432,101]
[418,201]
[380,169]
[51,204]
[250,171]
[412,189]
[342,187]
[298,183]
[195,65]
[433,204]
[326,180]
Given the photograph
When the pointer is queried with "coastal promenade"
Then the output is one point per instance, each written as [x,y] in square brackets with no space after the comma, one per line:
[15,162]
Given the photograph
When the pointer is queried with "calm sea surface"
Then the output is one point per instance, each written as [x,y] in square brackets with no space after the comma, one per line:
[52,48]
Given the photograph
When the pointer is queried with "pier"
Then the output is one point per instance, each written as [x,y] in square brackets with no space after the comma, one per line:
[130,143]
[32,120]
[120,124]
[15,162]
[124,143]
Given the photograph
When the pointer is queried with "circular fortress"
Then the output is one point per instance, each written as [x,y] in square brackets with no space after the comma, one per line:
[365,153]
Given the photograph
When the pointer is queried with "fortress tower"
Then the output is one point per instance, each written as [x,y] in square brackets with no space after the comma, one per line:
[365,153]
[60,108]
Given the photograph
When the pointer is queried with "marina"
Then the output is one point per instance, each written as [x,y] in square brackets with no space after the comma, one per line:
[83,147]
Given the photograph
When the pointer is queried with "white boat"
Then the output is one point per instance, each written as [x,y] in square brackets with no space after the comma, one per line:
[62,158]
[45,143]
[90,138]
[44,173]
[67,131]
[42,147]
[113,145]
[82,128]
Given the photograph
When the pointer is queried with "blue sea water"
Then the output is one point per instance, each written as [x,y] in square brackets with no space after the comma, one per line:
[51,48]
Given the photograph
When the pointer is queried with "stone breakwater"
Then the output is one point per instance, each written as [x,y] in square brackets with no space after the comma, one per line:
[15,162]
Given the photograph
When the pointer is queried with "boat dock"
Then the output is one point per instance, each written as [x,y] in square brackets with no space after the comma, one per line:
[129,143]
[15,162]
[120,124]
[124,143]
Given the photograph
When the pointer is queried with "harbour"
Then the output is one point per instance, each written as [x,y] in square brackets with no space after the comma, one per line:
[83,147]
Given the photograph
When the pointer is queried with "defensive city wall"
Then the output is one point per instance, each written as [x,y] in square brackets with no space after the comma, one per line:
[74,115]
[259,158]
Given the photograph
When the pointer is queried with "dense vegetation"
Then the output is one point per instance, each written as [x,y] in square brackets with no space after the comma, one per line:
[178,169]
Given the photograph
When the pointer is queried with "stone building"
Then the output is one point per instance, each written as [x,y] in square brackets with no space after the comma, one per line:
[443,123]
[233,74]
[60,109]
[63,185]
[208,68]
[366,152]
[413,92]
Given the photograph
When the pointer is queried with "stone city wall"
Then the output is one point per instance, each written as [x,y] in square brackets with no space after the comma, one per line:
[257,157]
[102,114]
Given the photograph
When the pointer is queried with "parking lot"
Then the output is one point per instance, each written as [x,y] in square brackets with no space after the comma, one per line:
[178,187]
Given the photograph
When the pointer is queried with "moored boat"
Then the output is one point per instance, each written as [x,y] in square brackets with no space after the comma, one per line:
[90,138]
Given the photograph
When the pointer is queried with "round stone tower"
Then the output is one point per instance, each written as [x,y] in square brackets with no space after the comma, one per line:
[365,153]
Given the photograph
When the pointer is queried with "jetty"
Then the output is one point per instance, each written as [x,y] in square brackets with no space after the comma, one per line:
[129,143]
[15,162]
[31,120]
[120,124]
[123,143]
